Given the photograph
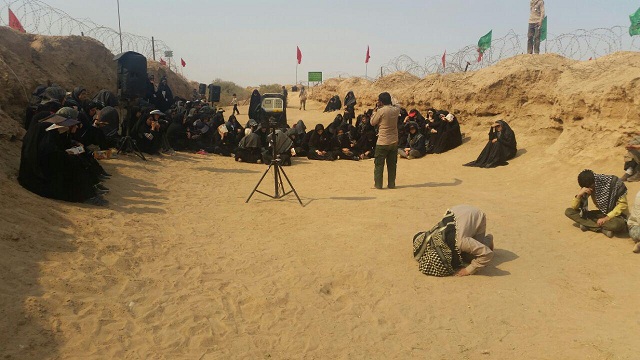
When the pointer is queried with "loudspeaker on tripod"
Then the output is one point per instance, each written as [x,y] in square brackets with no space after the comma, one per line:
[214,93]
[202,90]
[132,75]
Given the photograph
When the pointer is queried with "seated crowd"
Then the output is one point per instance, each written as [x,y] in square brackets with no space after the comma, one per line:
[68,131]
[161,123]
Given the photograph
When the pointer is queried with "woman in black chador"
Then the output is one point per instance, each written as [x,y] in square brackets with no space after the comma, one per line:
[448,134]
[254,105]
[320,146]
[249,149]
[349,108]
[502,146]
[333,104]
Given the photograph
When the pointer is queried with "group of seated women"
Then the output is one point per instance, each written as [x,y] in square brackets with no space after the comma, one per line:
[55,162]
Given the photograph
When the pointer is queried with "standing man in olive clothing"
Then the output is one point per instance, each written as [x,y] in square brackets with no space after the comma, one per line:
[386,118]
[535,26]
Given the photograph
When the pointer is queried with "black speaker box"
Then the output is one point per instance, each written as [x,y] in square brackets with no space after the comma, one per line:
[214,93]
[131,75]
[202,89]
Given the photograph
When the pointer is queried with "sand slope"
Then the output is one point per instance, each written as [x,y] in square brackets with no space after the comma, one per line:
[581,109]
[29,60]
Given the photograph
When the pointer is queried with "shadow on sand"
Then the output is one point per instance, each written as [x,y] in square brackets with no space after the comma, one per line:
[500,256]
[455,182]
[520,153]
[228,171]
[28,238]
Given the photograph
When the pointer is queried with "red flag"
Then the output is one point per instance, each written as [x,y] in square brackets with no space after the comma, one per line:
[183,62]
[590,58]
[366,60]
[14,23]
[480,54]
[162,62]
[299,55]
[444,60]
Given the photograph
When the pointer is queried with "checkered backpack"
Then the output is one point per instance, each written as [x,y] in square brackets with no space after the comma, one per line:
[436,251]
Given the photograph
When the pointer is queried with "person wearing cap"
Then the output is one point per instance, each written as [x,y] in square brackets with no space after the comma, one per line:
[385,118]
[90,133]
[52,99]
[148,132]
[51,166]
[631,161]
[416,143]
[90,163]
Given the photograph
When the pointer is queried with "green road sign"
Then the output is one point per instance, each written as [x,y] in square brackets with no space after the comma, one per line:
[315,76]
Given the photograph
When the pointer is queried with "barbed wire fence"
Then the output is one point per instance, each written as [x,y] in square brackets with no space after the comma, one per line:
[579,45]
[38,17]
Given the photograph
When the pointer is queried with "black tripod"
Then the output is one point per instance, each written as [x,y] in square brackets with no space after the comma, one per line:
[126,143]
[278,172]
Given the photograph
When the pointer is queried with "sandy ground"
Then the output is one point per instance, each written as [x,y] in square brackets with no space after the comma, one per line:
[179,267]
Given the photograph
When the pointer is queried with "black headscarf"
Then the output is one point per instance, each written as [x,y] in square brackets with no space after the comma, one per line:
[300,128]
[337,122]
[254,105]
[498,153]
[507,137]
[350,100]
[251,141]
[75,95]
[106,97]
[316,141]
[283,142]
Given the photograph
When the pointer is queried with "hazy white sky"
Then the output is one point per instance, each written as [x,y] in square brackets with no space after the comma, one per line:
[254,42]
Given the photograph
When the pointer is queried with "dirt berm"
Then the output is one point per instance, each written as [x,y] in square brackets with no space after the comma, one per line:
[580,109]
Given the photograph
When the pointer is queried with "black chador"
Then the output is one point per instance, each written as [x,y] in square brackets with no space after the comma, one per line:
[502,146]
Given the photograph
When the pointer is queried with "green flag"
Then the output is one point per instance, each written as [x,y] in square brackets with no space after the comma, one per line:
[485,42]
[543,29]
[634,29]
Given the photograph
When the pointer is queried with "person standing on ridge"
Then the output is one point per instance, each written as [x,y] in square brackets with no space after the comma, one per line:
[535,26]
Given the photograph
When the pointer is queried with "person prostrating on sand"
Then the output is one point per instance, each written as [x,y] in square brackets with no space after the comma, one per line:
[385,118]
[459,238]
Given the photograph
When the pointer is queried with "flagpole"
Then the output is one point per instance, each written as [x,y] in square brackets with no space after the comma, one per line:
[366,70]
[119,25]
[296,74]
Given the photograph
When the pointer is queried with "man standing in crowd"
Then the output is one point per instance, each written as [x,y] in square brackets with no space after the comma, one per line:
[386,118]
[303,98]
[535,26]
